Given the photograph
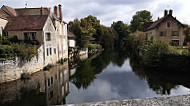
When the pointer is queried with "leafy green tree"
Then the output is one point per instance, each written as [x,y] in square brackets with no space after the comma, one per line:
[139,19]
[122,30]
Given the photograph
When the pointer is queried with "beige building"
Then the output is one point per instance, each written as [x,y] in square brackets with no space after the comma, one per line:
[167,29]
[39,24]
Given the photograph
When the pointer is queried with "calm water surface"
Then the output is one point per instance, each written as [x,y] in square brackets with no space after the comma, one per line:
[109,76]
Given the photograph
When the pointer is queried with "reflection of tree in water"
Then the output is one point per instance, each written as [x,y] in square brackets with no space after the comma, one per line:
[160,81]
[87,70]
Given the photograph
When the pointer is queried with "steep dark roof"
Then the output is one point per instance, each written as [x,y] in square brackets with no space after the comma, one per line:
[70,34]
[30,22]
[159,21]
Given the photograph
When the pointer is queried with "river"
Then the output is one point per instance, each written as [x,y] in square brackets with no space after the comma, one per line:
[108,76]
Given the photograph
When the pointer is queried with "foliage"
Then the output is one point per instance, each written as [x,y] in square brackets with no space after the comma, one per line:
[135,41]
[11,47]
[47,67]
[155,52]
[90,34]
[123,31]
[6,51]
[25,51]
[139,19]
[4,41]
[187,36]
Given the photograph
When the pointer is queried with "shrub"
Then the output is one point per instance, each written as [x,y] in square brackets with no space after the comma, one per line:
[4,40]
[47,67]
[61,61]
[155,52]
[136,40]
[25,51]
[6,51]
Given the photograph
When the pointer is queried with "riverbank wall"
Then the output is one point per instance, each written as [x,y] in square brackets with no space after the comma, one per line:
[181,100]
[12,69]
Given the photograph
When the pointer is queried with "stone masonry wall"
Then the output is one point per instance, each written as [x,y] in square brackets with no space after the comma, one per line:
[12,69]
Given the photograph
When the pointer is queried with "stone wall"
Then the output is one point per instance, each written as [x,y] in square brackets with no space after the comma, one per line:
[182,100]
[12,69]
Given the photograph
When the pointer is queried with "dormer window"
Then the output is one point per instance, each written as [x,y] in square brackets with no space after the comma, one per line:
[168,24]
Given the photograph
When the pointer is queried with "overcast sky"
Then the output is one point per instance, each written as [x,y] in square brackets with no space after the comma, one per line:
[110,10]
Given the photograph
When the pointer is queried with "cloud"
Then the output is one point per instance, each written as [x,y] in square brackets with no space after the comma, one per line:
[110,10]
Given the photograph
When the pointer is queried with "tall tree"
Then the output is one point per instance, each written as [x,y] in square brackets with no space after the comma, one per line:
[139,19]
[122,30]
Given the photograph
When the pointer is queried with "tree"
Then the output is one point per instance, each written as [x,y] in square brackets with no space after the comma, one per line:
[122,31]
[87,32]
[139,19]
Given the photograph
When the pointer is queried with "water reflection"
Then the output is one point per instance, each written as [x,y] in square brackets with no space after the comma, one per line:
[44,88]
[109,77]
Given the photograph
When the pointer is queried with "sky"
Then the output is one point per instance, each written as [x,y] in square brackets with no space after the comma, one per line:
[108,11]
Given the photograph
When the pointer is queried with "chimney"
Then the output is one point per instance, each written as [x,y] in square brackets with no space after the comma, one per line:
[158,18]
[55,10]
[165,12]
[170,12]
[60,12]
[41,11]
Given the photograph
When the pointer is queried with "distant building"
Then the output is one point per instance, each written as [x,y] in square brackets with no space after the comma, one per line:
[167,29]
[37,24]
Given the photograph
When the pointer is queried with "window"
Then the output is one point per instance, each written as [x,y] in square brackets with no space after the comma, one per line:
[54,50]
[51,80]
[48,82]
[60,29]
[30,35]
[59,44]
[175,43]
[162,33]
[26,36]
[55,76]
[51,95]
[50,52]
[48,37]
[15,37]
[168,24]
[33,35]
[47,51]
[174,33]
[5,34]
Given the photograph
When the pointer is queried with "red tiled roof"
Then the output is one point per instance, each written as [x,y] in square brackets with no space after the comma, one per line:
[30,22]
[32,11]
[3,15]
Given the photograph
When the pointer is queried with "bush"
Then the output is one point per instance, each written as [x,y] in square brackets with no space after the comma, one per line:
[155,52]
[136,40]
[61,61]
[25,51]
[6,51]
[47,67]
[4,40]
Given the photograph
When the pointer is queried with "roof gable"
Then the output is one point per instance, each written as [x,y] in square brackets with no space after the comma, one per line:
[10,11]
[161,20]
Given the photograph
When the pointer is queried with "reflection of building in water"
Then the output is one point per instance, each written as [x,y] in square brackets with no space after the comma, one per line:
[44,88]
